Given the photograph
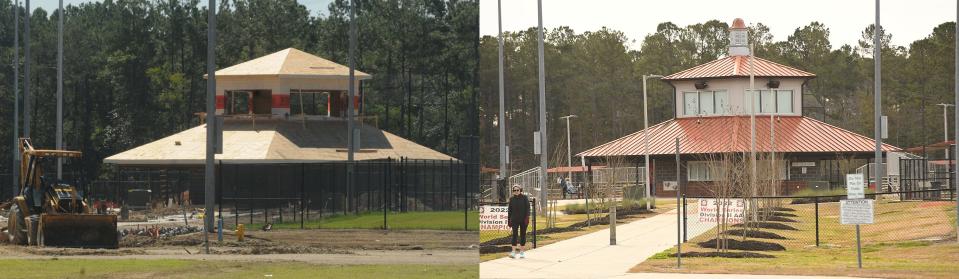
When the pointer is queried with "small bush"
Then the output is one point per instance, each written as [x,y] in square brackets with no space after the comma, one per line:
[625,205]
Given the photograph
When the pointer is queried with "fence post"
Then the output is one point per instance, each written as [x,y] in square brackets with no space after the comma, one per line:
[533,206]
[685,218]
[466,200]
[387,175]
[302,193]
[816,200]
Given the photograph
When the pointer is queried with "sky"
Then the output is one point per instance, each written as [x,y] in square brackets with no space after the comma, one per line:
[50,5]
[906,20]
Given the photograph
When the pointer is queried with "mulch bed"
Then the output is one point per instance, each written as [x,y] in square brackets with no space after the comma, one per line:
[748,245]
[755,234]
[737,255]
[768,225]
[783,214]
[494,249]
[779,219]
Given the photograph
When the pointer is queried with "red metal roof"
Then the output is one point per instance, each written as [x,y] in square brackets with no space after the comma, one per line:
[794,134]
[738,66]
[942,145]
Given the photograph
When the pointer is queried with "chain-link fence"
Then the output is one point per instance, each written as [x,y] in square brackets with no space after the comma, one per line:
[785,223]
[495,234]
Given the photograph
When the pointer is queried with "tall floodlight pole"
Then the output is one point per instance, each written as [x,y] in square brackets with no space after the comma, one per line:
[26,71]
[60,89]
[956,121]
[945,125]
[210,121]
[569,149]
[501,121]
[350,145]
[646,141]
[16,98]
[877,114]
[542,114]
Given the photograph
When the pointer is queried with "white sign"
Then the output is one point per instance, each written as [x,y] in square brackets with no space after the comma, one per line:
[730,210]
[855,186]
[670,186]
[856,211]
[493,218]
[804,164]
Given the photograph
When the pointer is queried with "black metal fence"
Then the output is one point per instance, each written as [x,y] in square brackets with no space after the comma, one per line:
[305,193]
[497,238]
[783,223]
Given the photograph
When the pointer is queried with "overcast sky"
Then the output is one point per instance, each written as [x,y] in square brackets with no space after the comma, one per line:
[50,5]
[906,20]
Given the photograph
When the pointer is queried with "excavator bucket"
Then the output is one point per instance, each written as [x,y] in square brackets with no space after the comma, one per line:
[79,230]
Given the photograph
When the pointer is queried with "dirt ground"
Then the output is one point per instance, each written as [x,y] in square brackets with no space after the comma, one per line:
[321,246]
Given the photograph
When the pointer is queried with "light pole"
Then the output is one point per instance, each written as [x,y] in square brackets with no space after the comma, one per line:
[209,184]
[501,121]
[945,125]
[646,140]
[543,184]
[16,99]
[60,89]
[569,150]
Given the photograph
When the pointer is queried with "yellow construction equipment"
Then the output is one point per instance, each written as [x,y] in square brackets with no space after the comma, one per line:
[49,212]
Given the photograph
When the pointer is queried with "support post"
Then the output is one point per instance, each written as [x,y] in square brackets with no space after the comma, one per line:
[210,121]
[816,200]
[679,240]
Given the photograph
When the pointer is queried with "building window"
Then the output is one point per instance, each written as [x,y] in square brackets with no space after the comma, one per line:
[698,171]
[306,102]
[238,102]
[773,101]
[705,103]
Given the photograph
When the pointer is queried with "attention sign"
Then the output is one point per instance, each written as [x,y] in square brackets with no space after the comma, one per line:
[854,212]
[493,218]
[713,210]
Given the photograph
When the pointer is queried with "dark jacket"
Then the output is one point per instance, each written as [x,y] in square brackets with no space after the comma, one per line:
[518,210]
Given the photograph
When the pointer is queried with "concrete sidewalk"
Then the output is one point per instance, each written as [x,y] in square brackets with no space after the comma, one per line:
[719,276]
[591,256]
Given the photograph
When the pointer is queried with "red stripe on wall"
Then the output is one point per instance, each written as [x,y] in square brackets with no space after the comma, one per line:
[220,102]
[281,101]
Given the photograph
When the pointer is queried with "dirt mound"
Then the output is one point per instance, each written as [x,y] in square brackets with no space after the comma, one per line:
[82,252]
[768,225]
[736,255]
[755,234]
[748,245]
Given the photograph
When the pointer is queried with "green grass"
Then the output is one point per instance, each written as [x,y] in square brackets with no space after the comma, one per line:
[124,268]
[434,220]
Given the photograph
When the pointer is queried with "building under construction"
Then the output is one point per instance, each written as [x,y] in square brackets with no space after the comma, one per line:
[285,140]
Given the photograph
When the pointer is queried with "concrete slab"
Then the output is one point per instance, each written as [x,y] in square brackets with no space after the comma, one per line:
[591,256]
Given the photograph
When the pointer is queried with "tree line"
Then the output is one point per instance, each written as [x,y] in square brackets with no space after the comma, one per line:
[133,69]
[598,76]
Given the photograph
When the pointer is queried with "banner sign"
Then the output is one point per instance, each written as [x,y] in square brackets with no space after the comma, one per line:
[713,210]
[494,218]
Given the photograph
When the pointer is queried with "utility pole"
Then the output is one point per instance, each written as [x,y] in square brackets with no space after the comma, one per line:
[649,198]
[209,184]
[877,111]
[501,121]
[945,126]
[26,71]
[956,121]
[16,100]
[543,184]
[60,89]
[350,145]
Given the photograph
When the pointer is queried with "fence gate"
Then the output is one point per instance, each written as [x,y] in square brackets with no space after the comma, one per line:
[924,174]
